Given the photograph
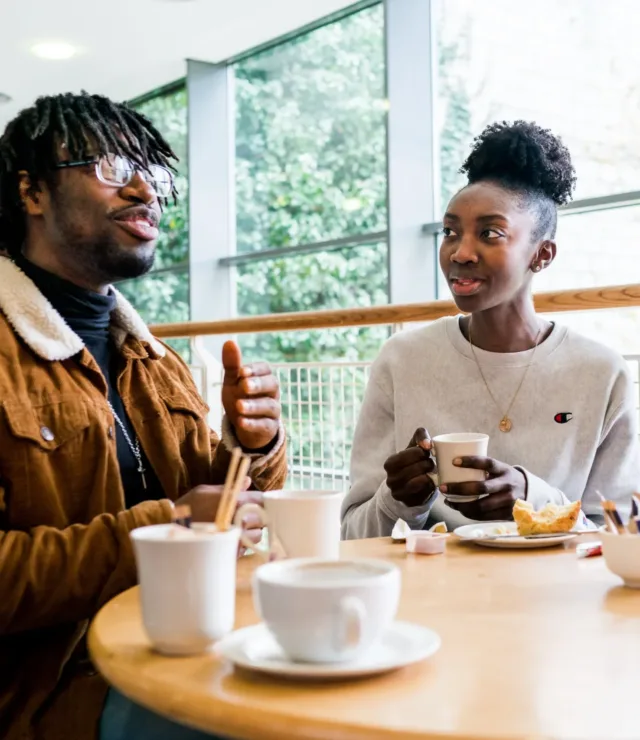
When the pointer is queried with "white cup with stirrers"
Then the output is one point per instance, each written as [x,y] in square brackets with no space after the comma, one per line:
[187,576]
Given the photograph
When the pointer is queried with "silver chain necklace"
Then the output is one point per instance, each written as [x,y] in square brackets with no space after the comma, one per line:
[135,448]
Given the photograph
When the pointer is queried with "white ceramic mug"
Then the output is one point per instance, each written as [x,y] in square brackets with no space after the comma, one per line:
[326,611]
[187,585]
[447,447]
[450,446]
[305,523]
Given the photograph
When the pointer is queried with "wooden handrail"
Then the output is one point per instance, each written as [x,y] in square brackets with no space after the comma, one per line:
[620,296]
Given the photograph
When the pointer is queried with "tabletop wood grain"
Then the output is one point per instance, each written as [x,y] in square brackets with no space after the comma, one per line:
[535,644]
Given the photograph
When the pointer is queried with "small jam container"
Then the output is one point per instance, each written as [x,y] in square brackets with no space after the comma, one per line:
[426,543]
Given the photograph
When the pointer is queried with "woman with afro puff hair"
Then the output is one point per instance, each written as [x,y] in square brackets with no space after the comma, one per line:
[559,408]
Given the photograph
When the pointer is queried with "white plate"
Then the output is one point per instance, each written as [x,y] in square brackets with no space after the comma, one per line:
[403,643]
[480,533]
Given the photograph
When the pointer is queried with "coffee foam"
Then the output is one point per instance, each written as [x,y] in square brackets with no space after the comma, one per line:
[328,573]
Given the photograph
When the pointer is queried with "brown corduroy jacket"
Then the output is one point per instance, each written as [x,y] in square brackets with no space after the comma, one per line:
[64,531]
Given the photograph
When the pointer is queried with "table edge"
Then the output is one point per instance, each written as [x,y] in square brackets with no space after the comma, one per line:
[232,721]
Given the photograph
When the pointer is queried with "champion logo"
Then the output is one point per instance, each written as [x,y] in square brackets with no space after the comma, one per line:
[563,417]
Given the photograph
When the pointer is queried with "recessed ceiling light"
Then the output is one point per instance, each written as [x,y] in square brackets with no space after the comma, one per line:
[54,50]
[4,98]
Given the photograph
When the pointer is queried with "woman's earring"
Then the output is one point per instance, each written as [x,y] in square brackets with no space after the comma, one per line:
[536,268]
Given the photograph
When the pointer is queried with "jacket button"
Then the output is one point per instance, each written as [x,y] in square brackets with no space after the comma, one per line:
[47,434]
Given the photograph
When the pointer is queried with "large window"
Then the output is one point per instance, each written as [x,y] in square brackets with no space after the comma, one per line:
[571,67]
[162,296]
[310,164]
[311,169]
[331,125]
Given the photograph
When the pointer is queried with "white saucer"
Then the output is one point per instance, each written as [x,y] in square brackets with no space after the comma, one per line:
[480,533]
[403,643]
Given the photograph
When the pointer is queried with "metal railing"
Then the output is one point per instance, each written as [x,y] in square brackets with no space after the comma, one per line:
[321,401]
[320,407]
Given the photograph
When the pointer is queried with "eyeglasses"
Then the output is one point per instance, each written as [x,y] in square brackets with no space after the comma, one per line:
[118,171]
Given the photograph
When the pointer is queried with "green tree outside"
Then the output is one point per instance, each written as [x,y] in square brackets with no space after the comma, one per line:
[162,296]
[310,167]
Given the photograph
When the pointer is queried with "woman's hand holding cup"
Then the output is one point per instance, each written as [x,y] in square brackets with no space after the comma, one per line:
[409,471]
[503,485]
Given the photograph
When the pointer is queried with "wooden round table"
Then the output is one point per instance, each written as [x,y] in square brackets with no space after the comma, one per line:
[535,644]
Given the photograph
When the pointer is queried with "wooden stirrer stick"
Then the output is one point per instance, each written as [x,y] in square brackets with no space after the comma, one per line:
[230,506]
[228,486]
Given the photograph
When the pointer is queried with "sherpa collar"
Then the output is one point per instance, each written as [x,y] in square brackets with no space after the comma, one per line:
[44,330]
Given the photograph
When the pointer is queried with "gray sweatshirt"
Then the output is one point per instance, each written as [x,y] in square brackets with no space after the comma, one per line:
[575,421]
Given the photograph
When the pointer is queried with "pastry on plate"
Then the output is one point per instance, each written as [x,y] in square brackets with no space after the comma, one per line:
[552,519]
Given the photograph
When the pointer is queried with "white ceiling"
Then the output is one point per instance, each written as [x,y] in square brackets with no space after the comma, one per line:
[132,46]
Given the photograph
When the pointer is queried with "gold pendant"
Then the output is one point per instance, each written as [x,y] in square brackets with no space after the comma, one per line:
[505,424]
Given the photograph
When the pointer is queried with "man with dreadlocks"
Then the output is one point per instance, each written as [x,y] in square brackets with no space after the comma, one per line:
[101,427]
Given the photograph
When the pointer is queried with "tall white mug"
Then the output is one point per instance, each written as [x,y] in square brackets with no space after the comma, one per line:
[187,585]
[305,523]
[463,444]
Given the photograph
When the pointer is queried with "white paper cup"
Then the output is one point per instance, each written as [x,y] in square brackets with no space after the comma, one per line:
[187,585]
[306,523]
[327,611]
[462,444]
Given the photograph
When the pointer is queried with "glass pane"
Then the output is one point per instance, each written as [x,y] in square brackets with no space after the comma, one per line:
[344,278]
[168,113]
[618,328]
[311,137]
[594,249]
[571,67]
[351,344]
[161,299]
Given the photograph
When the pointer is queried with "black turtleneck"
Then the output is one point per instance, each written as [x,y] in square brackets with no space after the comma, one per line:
[89,315]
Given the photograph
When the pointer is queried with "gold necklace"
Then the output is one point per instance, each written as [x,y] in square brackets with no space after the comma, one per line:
[505,425]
